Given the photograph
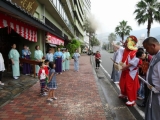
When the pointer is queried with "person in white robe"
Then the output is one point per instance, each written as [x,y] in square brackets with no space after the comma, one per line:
[67,61]
[38,55]
[2,68]
[14,57]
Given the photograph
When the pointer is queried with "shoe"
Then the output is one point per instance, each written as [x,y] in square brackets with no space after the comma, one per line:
[130,103]
[1,83]
[116,82]
[45,94]
[15,78]
[49,99]
[54,98]
[140,98]
[122,96]
[142,105]
[60,73]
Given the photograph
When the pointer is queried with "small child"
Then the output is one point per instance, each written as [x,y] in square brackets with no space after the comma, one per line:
[52,84]
[42,75]
[46,67]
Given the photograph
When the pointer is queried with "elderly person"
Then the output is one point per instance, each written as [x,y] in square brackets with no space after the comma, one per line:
[38,55]
[14,57]
[26,55]
[76,56]
[58,60]
[2,68]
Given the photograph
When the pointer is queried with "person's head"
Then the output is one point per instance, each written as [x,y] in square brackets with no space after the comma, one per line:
[59,49]
[115,49]
[151,45]
[37,47]
[140,49]
[141,54]
[97,52]
[25,46]
[13,46]
[50,50]
[46,62]
[76,50]
[130,43]
[52,65]
[41,64]
[63,50]
[66,50]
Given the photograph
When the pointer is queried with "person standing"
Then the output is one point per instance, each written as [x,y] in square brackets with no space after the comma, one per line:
[129,82]
[67,61]
[152,46]
[97,59]
[76,56]
[63,60]
[2,68]
[115,76]
[58,60]
[49,55]
[26,55]
[14,57]
[38,55]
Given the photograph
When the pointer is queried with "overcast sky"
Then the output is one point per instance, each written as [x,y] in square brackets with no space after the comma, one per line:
[110,12]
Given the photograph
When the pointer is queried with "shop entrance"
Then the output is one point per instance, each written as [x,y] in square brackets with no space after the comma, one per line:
[7,38]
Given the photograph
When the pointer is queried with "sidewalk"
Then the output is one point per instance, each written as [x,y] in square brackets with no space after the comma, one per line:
[77,93]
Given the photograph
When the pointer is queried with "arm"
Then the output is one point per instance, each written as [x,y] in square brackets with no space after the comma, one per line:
[126,67]
[50,77]
[116,46]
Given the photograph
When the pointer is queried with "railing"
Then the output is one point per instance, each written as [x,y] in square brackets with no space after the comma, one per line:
[70,9]
[62,13]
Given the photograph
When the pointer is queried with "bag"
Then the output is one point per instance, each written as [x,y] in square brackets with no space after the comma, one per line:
[145,66]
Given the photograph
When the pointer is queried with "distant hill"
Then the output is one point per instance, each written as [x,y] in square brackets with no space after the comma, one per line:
[158,38]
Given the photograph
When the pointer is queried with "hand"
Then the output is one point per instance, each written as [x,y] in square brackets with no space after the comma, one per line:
[12,63]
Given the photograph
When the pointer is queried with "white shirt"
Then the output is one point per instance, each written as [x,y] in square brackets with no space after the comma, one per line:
[119,55]
[2,66]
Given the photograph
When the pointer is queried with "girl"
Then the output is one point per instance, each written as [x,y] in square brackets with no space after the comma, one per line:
[52,84]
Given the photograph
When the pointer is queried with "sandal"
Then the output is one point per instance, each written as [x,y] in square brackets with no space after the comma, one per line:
[54,98]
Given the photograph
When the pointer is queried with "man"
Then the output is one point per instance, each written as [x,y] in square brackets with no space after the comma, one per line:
[129,83]
[152,46]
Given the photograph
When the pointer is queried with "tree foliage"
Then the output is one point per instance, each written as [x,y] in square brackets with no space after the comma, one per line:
[147,11]
[73,45]
[123,29]
[94,41]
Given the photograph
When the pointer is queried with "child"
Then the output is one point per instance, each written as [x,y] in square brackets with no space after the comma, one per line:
[42,75]
[46,67]
[52,85]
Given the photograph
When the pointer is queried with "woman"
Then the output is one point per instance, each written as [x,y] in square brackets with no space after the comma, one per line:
[2,68]
[38,55]
[26,55]
[63,60]
[14,57]
[67,59]
[97,59]
[76,56]
[49,56]
[58,61]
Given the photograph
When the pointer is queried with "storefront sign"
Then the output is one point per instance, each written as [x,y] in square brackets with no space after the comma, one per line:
[54,40]
[26,31]
[29,5]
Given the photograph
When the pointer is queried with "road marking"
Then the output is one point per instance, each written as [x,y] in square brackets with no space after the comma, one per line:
[135,106]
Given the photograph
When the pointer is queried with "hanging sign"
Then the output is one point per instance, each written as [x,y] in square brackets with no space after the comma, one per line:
[50,38]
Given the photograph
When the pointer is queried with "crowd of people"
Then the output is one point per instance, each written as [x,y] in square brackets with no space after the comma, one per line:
[46,70]
[137,70]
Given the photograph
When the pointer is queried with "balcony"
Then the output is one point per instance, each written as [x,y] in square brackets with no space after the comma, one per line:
[55,8]
[80,29]
[78,15]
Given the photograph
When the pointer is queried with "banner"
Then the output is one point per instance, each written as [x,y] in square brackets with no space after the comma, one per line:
[24,30]
[54,40]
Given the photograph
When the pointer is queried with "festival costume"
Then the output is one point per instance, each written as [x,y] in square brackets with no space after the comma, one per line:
[129,83]
[67,61]
[38,56]
[26,67]
[58,61]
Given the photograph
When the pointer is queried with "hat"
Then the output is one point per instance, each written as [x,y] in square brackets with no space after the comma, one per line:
[133,38]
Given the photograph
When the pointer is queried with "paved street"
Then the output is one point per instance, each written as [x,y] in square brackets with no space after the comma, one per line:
[78,99]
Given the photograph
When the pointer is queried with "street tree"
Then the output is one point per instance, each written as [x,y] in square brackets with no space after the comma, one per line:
[112,37]
[94,41]
[147,11]
[123,30]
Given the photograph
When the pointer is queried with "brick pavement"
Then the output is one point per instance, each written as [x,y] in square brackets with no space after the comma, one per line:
[77,94]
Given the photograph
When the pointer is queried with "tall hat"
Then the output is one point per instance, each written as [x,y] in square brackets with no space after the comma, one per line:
[131,42]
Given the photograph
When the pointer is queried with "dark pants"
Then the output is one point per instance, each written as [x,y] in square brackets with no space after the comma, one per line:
[97,63]
[0,75]
[146,93]
[42,84]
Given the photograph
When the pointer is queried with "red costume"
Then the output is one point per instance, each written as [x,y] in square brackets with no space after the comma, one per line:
[129,83]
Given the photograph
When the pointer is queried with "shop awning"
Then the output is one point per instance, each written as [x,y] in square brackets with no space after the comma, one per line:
[51,39]
[24,30]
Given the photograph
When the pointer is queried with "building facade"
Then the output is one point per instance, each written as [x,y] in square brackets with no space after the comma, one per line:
[47,23]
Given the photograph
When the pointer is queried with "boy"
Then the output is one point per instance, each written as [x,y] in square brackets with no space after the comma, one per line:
[42,75]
